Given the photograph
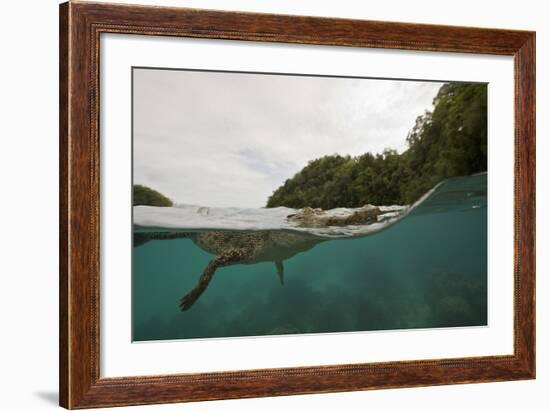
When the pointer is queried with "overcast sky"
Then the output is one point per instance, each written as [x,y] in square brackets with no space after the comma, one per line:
[230,139]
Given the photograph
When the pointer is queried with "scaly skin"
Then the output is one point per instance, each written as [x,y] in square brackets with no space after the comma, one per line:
[315,217]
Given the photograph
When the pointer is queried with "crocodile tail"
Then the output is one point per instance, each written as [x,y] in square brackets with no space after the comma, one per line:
[141,238]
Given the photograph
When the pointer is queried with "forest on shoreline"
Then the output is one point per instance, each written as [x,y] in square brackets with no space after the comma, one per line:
[450,140]
[143,195]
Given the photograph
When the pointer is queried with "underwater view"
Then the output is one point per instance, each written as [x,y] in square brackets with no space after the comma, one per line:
[422,267]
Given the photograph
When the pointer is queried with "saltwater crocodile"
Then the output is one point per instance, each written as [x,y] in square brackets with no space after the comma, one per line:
[251,247]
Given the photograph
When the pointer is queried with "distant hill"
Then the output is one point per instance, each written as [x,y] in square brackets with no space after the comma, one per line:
[449,141]
[147,196]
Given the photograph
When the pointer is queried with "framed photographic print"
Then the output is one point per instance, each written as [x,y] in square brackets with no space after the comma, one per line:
[257,205]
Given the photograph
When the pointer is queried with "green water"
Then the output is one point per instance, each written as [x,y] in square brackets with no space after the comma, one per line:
[427,270]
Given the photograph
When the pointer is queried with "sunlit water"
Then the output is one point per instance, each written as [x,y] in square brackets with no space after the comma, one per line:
[427,267]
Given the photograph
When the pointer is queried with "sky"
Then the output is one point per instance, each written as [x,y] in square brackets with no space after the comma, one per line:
[230,139]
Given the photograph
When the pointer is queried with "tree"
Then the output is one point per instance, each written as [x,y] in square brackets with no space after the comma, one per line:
[147,196]
[449,141]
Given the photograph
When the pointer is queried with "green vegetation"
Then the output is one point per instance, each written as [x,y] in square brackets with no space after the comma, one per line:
[449,141]
[147,196]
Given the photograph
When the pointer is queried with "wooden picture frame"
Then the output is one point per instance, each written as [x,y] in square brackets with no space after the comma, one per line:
[80,27]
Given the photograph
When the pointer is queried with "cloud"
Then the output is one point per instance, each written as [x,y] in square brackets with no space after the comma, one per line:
[230,139]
